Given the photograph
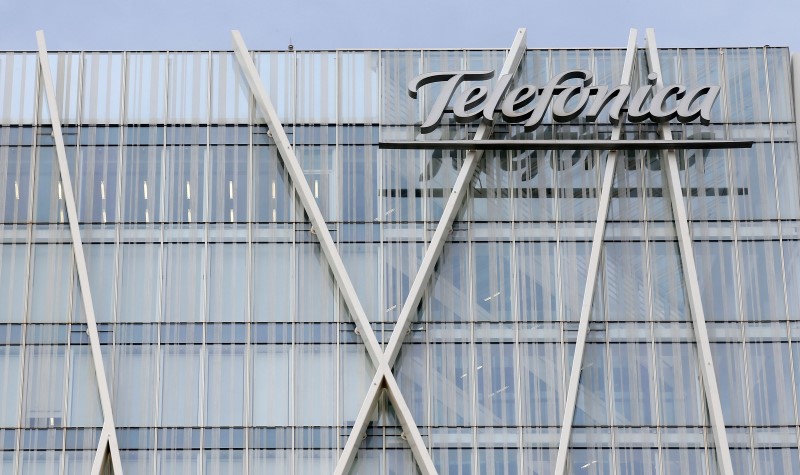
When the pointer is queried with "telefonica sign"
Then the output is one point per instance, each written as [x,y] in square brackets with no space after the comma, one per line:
[478,101]
[567,95]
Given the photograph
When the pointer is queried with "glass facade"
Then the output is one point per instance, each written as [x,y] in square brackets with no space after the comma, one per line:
[226,342]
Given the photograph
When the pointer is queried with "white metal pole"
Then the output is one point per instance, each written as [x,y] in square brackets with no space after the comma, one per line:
[307,199]
[690,277]
[109,434]
[384,377]
[591,276]
[453,205]
[432,254]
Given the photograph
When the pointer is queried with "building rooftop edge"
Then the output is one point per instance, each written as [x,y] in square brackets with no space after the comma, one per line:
[347,50]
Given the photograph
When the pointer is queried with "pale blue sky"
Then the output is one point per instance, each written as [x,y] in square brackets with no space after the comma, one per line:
[317,24]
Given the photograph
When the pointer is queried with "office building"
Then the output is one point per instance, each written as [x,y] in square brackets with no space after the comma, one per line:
[153,220]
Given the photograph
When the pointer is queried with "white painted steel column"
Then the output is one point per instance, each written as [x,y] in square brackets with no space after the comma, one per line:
[453,205]
[591,276]
[432,254]
[384,377]
[108,437]
[690,278]
[295,170]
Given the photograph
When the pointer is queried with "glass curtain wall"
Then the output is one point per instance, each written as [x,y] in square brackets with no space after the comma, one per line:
[227,345]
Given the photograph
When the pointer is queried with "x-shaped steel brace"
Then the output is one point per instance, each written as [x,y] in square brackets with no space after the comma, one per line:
[383,361]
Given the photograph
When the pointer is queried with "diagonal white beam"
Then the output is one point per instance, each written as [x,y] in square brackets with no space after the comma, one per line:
[432,254]
[384,377]
[109,435]
[307,199]
[100,453]
[689,267]
[591,276]
[453,205]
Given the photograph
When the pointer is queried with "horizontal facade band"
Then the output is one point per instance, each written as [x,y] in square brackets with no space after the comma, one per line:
[563,144]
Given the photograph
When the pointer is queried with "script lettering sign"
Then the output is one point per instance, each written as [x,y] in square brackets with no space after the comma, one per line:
[570,92]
